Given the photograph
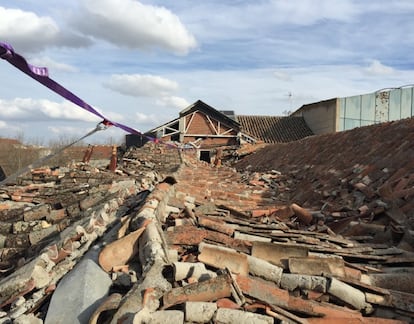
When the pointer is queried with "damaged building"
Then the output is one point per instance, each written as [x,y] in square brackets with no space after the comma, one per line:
[202,127]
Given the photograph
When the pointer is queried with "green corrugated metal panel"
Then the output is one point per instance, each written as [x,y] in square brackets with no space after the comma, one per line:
[395,105]
[377,107]
[406,102]
[367,109]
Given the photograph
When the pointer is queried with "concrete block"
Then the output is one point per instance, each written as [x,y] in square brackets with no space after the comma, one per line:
[231,316]
[199,312]
[78,294]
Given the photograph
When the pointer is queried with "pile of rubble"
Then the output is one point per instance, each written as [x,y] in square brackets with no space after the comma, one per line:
[167,238]
[364,190]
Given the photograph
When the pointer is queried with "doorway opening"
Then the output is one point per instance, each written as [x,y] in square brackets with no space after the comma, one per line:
[205,156]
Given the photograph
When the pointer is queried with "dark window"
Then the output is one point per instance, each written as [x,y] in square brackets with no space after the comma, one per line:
[175,137]
[205,156]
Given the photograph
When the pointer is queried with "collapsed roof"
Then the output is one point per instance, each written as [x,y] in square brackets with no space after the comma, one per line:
[318,230]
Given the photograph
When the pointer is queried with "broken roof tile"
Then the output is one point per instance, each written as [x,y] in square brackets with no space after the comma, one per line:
[242,247]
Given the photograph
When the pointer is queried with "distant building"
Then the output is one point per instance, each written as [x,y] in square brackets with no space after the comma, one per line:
[203,127]
[339,114]
[202,124]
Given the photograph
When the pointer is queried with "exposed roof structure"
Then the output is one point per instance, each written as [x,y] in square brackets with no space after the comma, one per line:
[160,127]
[200,105]
[268,129]
[274,129]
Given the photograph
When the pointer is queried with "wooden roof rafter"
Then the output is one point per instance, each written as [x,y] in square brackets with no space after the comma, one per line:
[216,130]
[187,125]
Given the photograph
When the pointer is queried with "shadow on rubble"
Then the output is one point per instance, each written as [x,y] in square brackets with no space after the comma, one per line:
[357,183]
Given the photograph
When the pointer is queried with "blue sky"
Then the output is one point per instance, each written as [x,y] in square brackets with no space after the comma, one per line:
[141,62]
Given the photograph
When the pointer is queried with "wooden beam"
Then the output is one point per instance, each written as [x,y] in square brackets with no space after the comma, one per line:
[189,123]
[212,125]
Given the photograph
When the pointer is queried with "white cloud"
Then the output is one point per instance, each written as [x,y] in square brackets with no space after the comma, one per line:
[252,54]
[377,68]
[67,134]
[148,120]
[41,109]
[132,24]
[224,20]
[138,85]
[114,116]
[283,76]
[65,110]
[173,101]
[151,86]
[52,65]
[305,12]
[258,92]
[65,130]
[10,129]
[26,30]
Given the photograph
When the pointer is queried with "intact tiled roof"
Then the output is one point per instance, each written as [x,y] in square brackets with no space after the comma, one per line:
[274,129]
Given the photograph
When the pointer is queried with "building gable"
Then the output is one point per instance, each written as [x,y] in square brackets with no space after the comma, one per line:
[200,123]
[211,112]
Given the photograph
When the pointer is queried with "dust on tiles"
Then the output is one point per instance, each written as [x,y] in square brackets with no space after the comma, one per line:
[312,231]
